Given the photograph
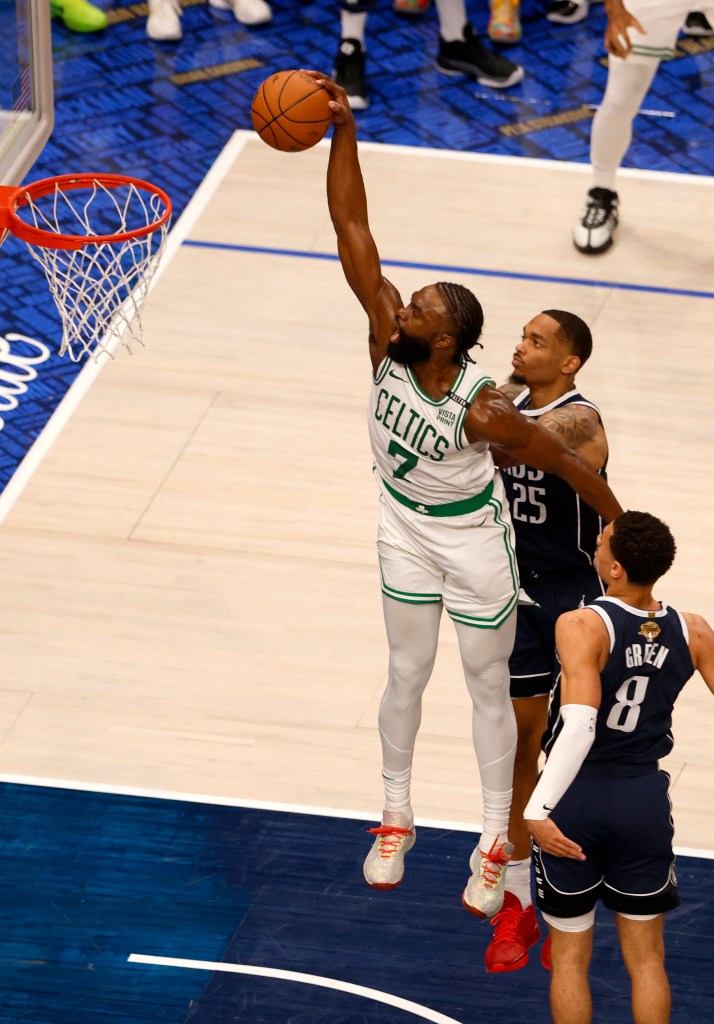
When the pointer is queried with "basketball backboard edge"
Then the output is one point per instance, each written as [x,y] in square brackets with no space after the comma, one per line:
[26,88]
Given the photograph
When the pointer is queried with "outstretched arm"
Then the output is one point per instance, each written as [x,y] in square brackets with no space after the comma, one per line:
[347,202]
[578,427]
[493,418]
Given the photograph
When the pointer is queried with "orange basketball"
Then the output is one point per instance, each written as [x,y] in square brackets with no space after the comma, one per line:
[290,111]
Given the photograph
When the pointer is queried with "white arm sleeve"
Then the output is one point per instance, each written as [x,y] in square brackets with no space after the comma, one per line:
[565,759]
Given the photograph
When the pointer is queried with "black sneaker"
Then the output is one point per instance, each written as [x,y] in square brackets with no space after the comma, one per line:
[697,25]
[468,56]
[593,232]
[566,12]
[349,72]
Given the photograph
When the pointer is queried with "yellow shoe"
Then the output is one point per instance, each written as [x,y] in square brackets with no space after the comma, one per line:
[78,15]
[505,23]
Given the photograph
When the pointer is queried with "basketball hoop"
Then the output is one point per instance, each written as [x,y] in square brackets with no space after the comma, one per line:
[99,239]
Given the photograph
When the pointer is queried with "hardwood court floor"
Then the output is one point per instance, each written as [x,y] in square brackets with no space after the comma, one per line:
[190,596]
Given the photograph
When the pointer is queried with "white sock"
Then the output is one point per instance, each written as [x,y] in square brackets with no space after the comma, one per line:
[518,881]
[397,791]
[452,19]
[352,26]
[496,808]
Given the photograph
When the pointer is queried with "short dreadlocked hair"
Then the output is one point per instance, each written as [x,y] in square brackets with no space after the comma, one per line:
[574,331]
[464,311]
[643,545]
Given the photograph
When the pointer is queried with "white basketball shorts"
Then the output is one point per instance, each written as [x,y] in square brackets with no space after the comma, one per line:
[466,561]
[662,20]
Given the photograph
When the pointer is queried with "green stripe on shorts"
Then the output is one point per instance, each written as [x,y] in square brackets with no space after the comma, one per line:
[496,620]
[405,596]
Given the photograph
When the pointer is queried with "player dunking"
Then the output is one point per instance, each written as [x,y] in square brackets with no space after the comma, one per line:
[600,815]
[445,536]
[556,534]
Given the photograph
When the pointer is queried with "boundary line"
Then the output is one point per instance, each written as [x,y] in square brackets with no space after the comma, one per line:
[258,805]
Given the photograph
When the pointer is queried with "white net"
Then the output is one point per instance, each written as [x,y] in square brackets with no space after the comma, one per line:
[100,288]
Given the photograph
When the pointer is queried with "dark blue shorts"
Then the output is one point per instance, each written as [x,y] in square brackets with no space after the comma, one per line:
[621,816]
[533,664]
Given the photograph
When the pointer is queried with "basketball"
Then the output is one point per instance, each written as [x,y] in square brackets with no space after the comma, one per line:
[290,111]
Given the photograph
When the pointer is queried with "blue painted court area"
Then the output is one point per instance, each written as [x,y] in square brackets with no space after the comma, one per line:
[92,878]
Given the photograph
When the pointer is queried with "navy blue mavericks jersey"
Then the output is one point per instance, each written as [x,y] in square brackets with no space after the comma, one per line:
[555,530]
[649,664]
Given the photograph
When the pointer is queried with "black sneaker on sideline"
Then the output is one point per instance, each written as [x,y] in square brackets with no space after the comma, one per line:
[593,232]
[469,56]
[349,72]
[697,25]
[566,12]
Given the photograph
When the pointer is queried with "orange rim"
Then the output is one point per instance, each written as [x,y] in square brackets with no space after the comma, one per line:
[14,197]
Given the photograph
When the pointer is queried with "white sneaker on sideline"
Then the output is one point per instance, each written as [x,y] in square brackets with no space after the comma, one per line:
[164,21]
[384,865]
[248,12]
[593,232]
[252,12]
[483,895]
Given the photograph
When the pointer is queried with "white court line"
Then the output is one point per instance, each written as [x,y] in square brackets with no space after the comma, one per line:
[522,161]
[223,801]
[93,367]
[304,979]
[258,805]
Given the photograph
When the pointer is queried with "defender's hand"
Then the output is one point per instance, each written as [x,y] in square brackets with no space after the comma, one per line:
[617,38]
[549,838]
[339,104]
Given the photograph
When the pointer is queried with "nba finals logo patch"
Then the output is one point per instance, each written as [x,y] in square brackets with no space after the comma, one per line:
[650,631]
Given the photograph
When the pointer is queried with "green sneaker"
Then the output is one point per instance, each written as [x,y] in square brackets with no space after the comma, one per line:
[78,15]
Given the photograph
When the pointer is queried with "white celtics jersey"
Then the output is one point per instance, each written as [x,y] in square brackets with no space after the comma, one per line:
[418,442]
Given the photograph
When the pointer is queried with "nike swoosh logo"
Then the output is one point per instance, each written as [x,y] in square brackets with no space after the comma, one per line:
[393,374]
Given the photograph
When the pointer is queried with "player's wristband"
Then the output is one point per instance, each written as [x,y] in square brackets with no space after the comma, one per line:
[565,759]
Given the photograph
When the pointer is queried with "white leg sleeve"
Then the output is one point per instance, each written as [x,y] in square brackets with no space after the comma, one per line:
[484,655]
[413,634]
[627,85]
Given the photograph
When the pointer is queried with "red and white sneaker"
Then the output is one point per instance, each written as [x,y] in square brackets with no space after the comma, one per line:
[515,930]
[483,895]
[384,865]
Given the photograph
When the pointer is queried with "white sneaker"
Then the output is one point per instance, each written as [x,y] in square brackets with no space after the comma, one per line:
[252,12]
[593,232]
[568,12]
[248,12]
[483,895]
[164,21]
[384,865]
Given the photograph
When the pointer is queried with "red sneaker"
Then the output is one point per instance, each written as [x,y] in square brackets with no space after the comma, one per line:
[515,930]
[545,954]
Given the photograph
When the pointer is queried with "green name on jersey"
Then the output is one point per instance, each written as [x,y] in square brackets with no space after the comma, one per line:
[402,421]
